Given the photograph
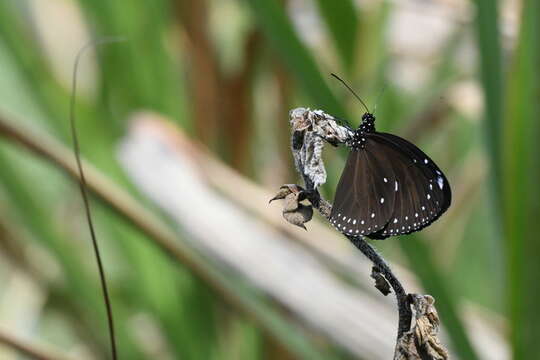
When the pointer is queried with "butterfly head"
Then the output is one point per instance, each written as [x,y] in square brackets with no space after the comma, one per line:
[358,141]
[368,123]
[368,118]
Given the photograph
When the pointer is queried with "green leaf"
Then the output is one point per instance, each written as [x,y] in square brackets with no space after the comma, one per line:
[342,21]
[521,179]
[301,64]
[488,38]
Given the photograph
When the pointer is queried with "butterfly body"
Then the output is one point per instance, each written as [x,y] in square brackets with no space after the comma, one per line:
[388,187]
[358,141]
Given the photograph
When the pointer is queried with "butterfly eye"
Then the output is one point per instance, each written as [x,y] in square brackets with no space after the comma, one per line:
[368,117]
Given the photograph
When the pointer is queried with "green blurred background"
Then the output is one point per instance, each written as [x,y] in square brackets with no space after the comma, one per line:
[462,82]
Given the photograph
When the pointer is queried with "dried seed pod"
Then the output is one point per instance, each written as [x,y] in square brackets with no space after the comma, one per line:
[294,211]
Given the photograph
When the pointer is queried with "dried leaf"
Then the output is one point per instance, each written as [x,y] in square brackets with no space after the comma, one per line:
[310,129]
[380,282]
[422,342]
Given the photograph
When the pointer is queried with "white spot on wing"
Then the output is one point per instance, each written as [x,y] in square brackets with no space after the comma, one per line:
[428,196]
[395,220]
[385,179]
[382,200]
[372,215]
[354,222]
[440,181]
[425,161]
[395,185]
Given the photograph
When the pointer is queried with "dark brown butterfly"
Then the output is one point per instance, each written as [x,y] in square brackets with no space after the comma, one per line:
[388,187]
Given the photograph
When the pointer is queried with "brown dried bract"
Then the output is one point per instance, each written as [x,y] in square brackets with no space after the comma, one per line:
[294,211]
[300,119]
[321,123]
[422,342]
[380,282]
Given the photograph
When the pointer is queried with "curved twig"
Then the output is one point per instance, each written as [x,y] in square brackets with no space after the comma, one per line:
[404,309]
[84,191]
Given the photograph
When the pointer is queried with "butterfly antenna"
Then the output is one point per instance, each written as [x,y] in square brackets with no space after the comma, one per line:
[379,98]
[351,90]
[83,187]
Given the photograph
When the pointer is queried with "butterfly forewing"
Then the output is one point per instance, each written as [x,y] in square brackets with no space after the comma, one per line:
[365,197]
[390,187]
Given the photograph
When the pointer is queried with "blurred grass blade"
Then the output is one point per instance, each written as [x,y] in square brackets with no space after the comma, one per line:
[488,38]
[32,350]
[34,212]
[25,50]
[521,179]
[435,284]
[147,77]
[342,21]
[275,24]
[224,285]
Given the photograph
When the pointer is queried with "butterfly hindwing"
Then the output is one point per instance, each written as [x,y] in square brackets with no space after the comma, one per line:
[427,189]
[430,170]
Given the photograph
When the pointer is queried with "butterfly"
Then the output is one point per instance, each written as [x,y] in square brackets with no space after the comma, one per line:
[388,186]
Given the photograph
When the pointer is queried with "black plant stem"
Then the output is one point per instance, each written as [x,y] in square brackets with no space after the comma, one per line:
[84,192]
[404,309]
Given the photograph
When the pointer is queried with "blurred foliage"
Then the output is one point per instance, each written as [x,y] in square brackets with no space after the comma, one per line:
[228,72]
[520,179]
